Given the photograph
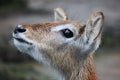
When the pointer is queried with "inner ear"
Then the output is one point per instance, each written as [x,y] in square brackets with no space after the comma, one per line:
[94,27]
[60,15]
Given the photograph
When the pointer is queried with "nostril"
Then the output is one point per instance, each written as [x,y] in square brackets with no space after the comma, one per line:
[19,30]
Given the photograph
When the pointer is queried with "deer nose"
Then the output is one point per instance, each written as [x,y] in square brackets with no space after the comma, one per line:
[19,29]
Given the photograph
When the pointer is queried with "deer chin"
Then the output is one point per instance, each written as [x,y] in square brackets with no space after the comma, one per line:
[22,43]
[27,46]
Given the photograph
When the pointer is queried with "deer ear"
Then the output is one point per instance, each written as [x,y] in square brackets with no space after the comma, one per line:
[60,14]
[94,28]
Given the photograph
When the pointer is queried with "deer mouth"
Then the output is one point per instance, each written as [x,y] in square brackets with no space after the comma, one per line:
[22,40]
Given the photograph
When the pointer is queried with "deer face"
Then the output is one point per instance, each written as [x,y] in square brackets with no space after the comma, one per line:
[51,41]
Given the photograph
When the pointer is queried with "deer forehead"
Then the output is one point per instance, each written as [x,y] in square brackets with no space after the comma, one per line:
[53,26]
[64,26]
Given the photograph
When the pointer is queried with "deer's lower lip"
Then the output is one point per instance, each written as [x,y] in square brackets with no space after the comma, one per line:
[22,41]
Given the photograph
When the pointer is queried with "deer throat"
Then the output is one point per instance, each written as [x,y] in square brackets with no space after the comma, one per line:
[80,70]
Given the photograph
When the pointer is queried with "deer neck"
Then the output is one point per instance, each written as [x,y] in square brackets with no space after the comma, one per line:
[83,69]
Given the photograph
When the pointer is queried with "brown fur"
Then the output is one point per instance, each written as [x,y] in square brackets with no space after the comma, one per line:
[68,57]
[70,63]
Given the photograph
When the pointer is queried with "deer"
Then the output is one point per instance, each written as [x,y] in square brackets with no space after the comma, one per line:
[65,45]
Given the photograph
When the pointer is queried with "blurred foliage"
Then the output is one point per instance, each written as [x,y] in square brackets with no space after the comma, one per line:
[6,5]
[10,71]
[107,41]
[110,37]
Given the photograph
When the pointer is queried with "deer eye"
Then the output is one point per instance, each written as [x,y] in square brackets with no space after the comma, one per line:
[67,33]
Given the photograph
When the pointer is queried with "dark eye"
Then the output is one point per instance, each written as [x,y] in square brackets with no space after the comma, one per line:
[67,33]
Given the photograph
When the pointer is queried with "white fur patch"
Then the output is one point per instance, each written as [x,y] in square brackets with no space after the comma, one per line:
[66,26]
[61,27]
[19,26]
[29,49]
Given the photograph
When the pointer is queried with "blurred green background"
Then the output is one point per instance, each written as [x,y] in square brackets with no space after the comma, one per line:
[17,66]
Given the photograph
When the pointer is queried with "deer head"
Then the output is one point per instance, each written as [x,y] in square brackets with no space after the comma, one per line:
[63,44]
